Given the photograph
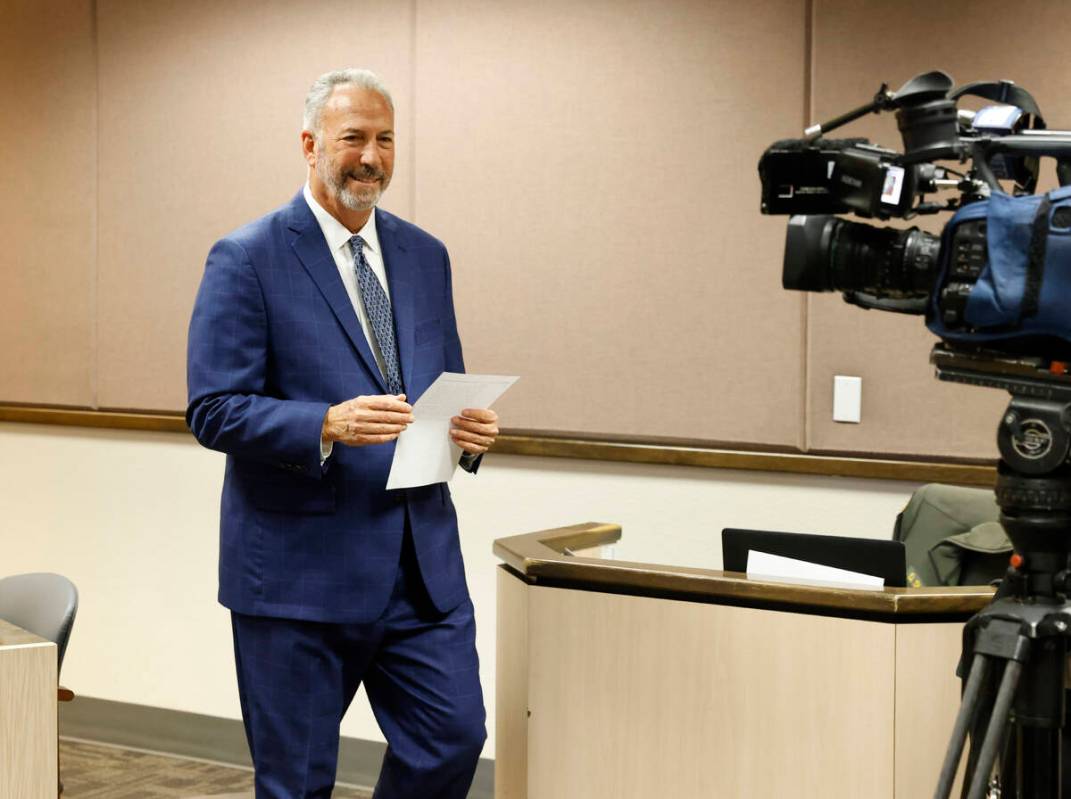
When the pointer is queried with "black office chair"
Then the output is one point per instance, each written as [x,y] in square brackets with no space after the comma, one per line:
[45,605]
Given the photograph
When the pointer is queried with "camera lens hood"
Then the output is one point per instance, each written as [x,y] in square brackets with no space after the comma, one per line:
[807,244]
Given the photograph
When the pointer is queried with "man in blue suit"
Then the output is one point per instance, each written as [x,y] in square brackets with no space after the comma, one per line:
[313,329]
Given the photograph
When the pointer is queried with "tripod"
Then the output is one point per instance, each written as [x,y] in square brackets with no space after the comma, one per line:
[1014,660]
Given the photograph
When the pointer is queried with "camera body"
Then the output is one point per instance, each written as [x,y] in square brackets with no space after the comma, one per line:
[836,176]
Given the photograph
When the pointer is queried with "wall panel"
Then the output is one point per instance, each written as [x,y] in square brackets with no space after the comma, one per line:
[592,167]
[201,106]
[48,170]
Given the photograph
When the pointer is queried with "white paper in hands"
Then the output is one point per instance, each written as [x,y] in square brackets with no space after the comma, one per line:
[425,453]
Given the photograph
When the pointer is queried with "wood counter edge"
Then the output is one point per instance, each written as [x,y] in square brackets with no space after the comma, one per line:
[544,555]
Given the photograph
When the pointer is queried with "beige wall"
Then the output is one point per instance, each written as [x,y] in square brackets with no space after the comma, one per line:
[583,162]
[200,113]
[591,166]
[48,175]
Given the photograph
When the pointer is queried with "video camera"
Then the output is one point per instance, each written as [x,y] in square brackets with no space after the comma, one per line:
[995,287]
[995,277]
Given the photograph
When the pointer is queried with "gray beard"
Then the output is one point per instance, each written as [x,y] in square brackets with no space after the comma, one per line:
[365,201]
[356,202]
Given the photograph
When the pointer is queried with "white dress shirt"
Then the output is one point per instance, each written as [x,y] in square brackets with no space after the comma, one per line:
[338,242]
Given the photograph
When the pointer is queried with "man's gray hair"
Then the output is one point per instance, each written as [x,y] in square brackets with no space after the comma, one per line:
[323,86]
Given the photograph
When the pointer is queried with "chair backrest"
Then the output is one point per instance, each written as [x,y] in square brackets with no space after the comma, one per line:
[42,603]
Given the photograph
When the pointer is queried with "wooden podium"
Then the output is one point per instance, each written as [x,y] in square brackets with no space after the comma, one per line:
[28,766]
[628,680]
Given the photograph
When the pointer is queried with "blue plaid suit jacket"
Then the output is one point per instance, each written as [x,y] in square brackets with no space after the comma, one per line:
[273,342]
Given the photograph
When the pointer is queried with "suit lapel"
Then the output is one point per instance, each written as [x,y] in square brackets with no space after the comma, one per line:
[311,249]
[402,280]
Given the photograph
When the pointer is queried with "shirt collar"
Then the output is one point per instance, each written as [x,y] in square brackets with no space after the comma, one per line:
[335,232]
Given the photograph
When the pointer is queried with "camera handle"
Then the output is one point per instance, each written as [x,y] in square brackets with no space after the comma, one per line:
[1052,143]
[1004,92]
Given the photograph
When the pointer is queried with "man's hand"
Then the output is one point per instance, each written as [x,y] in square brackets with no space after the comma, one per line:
[474,430]
[367,420]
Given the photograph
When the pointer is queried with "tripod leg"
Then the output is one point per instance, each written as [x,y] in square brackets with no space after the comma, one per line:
[967,708]
[1039,757]
[997,721]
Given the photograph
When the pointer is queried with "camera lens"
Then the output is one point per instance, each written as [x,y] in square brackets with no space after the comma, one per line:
[825,253]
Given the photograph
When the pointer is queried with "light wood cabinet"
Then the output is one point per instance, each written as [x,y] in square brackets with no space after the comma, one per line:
[28,767]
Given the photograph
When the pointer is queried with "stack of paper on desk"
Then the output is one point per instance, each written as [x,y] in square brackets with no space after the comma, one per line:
[782,569]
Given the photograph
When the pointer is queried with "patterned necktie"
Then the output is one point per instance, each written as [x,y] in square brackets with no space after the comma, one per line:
[380,319]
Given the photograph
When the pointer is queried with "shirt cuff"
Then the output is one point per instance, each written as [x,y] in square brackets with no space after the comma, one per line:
[326,448]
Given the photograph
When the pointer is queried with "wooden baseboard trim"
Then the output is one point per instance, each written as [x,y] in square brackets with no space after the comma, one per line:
[557,445]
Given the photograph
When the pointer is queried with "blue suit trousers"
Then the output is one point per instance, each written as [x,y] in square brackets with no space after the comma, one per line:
[421,673]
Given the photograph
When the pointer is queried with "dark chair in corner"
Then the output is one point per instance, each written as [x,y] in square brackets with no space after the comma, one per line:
[45,605]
